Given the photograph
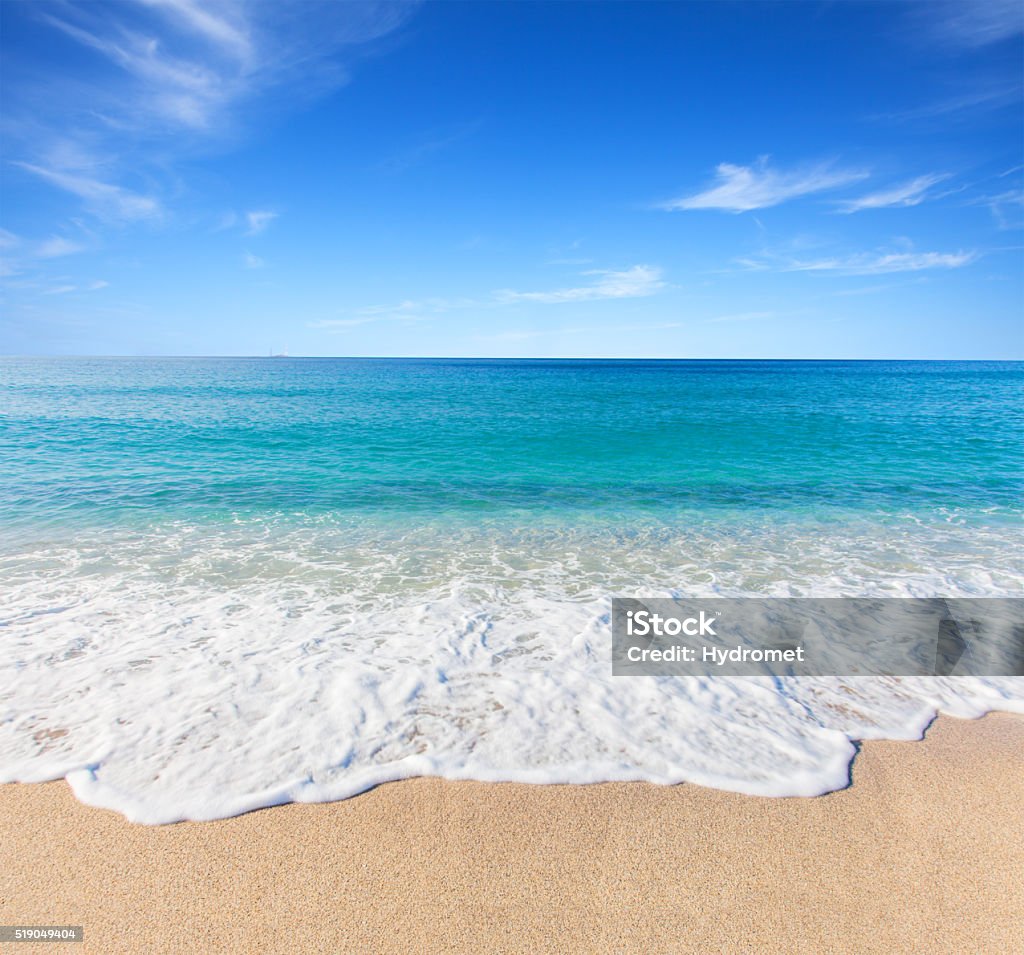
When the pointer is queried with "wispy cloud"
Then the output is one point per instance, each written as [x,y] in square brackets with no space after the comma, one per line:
[911,193]
[962,105]
[973,23]
[1007,207]
[881,263]
[184,65]
[219,31]
[434,142]
[148,82]
[743,188]
[104,199]
[639,281]
[258,220]
[406,311]
[24,257]
[636,282]
[253,261]
[179,91]
[56,246]
[807,254]
[66,289]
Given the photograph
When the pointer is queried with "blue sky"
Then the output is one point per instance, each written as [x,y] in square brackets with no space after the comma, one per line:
[668,180]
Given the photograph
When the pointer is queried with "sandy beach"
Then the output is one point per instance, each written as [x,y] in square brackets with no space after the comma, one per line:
[923,853]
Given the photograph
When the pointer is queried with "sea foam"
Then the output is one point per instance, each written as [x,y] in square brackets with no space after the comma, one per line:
[229,583]
[192,672]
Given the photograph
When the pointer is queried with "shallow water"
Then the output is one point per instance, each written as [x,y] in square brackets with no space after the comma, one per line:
[229,583]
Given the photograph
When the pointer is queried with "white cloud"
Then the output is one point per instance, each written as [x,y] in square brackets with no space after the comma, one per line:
[24,255]
[253,261]
[57,246]
[218,31]
[258,220]
[253,222]
[65,289]
[742,188]
[967,103]
[106,200]
[1007,207]
[974,23]
[908,194]
[636,282]
[177,91]
[881,263]
[130,87]
[185,64]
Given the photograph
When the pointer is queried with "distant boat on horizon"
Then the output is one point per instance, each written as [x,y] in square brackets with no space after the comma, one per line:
[283,354]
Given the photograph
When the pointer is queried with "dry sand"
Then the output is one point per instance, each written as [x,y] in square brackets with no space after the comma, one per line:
[924,853]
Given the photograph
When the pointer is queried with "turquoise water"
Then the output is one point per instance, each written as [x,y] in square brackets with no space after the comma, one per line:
[233,582]
[128,440]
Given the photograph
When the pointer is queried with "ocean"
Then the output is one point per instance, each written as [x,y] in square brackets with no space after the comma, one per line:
[231,583]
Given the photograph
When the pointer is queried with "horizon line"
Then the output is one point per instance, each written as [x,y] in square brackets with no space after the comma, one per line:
[278,358]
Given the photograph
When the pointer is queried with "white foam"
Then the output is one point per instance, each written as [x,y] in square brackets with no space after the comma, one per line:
[197,672]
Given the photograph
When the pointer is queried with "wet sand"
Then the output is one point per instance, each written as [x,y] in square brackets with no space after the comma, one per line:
[923,853]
